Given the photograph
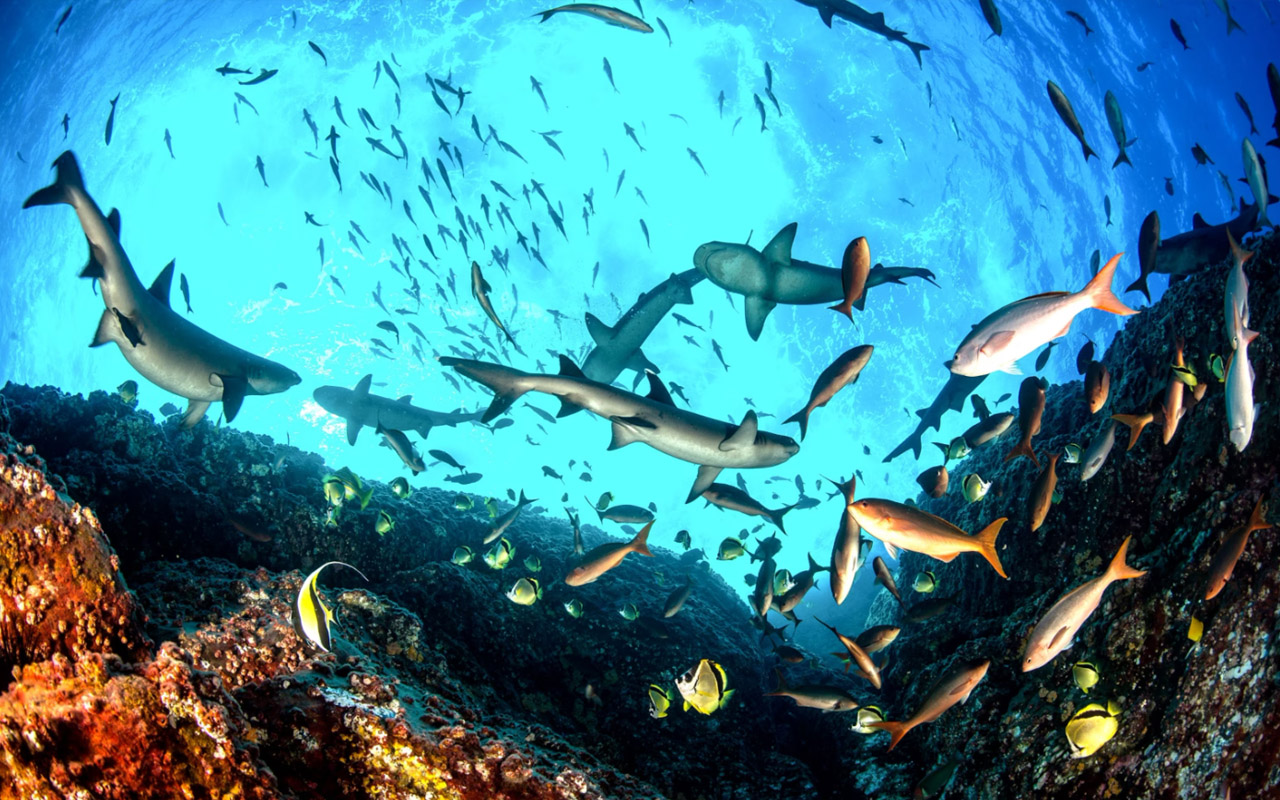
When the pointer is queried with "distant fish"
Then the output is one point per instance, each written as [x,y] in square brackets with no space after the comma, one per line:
[319,52]
[613,16]
[992,15]
[1233,544]
[1232,25]
[1177,34]
[263,75]
[844,371]
[1115,118]
[1068,114]
[62,20]
[1076,16]
[111,119]
[607,556]
[1244,106]
[953,687]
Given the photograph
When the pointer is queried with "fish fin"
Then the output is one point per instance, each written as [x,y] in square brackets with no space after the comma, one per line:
[234,388]
[706,476]
[162,284]
[657,390]
[67,179]
[777,515]
[640,544]
[1136,423]
[107,329]
[359,394]
[600,333]
[744,436]
[986,541]
[195,412]
[844,307]
[1011,368]
[624,430]
[802,418]
[861,302]
[1198,222]
[1258,519]
[1237,252]
[567,407]
[1023,449]
[945,558]
[996,341]
[1098,289]
[1118,570]
[891,549]
[1057,637]
[896,730]
[407,399]
[757,310]
[825,14]
[641,364]
[1123,158]
[1088,151]
[569,369]
[779,247]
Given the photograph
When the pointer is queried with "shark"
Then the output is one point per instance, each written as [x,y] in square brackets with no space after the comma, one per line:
[951,398]
[771,276]
[618,347]
[857,15]
[164,347]
[653,419]
[362,409]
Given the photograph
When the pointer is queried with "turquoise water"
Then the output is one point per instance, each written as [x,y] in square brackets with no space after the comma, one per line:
[1001,205]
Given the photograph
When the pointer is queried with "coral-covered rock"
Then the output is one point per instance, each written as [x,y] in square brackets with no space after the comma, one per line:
[61,592]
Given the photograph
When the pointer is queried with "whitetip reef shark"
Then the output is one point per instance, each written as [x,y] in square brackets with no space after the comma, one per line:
[360,408]
[655,420]
[164,347]
[618,347]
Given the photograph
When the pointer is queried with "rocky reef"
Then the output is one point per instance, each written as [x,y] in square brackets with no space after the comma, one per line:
[1196,718]
[147,577]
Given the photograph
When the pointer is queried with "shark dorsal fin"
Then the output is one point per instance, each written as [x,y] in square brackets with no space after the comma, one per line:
[407,399]
[160,287]
[568,368]
[600,332]
[113,219]
[824,12]
[362,388]
[1198,222]
[779,247]
[658,391]
[744,435]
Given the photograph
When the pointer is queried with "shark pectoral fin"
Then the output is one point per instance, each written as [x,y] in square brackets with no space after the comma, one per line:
[127,328]
[163,282]
[744,435]
[94,268]
[108,329]
[627,430]
[706,476]
[779,247]
[757,312]
[825,13]
[641,363]
[234,388]
[567,407]
[658,391]
[195,412]
[1198,222]
[353,428]
[600,332]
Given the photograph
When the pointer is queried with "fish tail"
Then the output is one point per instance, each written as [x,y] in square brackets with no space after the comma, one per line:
[896,731]
[67,179]
[845,307]
[1140,285]
[1023,449]
[640,544]
[801,417]
[1232,25]
[1238,253]
[1258,519]
[986,541]
[782,684]
[546,15]
[1120,571]
[1098,289]
[777,515]
[1123,158]
[1135,423]
[1088,151]
[916,49]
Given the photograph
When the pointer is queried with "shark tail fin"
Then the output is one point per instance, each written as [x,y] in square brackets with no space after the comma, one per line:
[1232,25]
[916,49]
[1088,151]
[801,417]
[1123,158]
[67,179]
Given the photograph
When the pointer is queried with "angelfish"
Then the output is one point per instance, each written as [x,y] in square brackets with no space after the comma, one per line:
[311,617]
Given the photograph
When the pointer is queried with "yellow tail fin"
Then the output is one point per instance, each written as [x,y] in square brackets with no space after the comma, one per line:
[896,731]
[1098,290]
[1135,423]
[1119,570]
[987,545]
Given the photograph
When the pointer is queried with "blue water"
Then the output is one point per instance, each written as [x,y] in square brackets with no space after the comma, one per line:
[1003,205]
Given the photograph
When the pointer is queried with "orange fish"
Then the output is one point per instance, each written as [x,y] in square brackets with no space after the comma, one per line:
[1224,561]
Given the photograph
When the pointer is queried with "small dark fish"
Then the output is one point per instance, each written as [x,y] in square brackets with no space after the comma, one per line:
[1143,66]
[1177,34]
[1043,358]
[319,52]
[1198,153]
[663,25]
[111,118]
[645,229]
[62,20]
[226,69]
[760,108]
[1084,357]
[1253,129]
[716,347]
[1168,186]
[223,216]
[66,125]
[1076,16]
[537,88]
[470,477]
[263,75]
[337,109]
[906,201]
[1106,206]
[444,457]
[186,291]
[608,71]
[262,170]
[168,142]
[696,160]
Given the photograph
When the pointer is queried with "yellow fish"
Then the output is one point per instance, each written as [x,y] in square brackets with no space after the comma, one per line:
[311,617]
[1091,728]
[704,687]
